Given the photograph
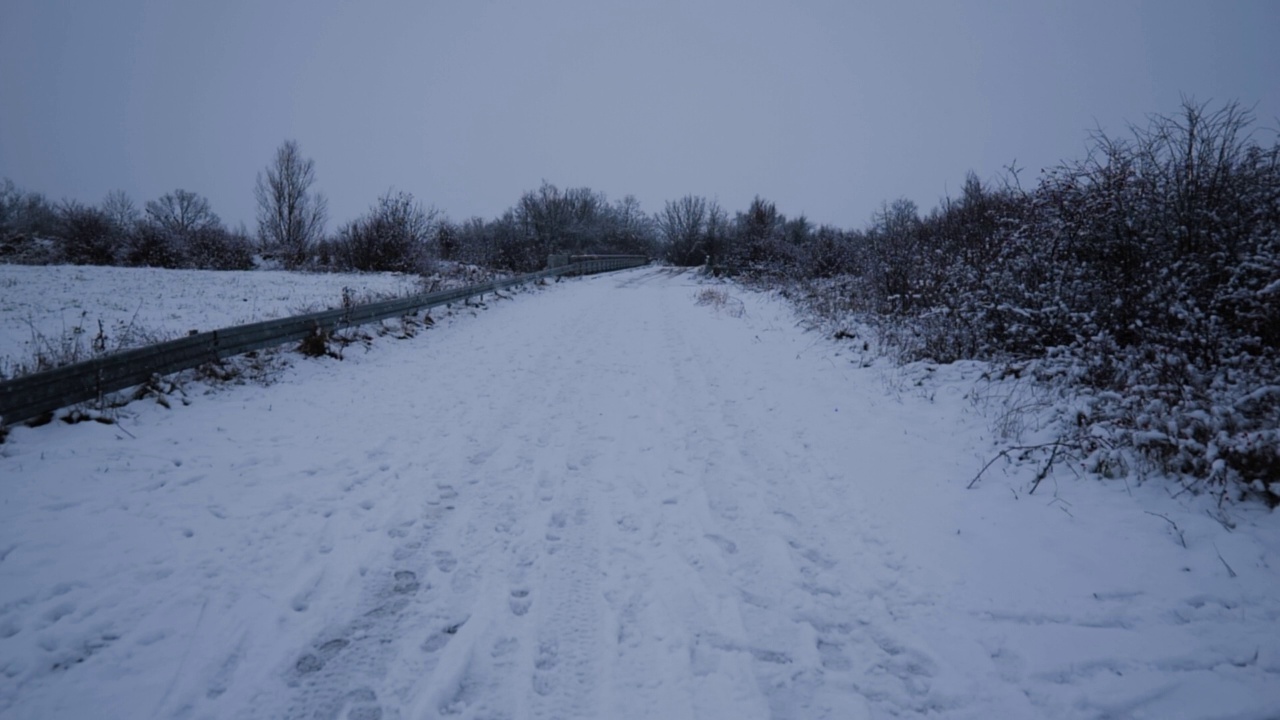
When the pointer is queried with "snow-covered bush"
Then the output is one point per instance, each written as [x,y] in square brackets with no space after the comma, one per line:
[1146,276]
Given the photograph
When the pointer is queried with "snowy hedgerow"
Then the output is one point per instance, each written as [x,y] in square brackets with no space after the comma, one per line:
[1146,275]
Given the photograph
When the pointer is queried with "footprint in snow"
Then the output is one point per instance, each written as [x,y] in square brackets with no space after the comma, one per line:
[816,590]
[812,555]
[389,609]
[407,550]
[832,656]
[406,582]
[726,545]
[520,601]
[85,650]
[363,705]
[548,655]
[445,561]
[442,637]
[504,647]
[314,662]
[787,516]
[555,525]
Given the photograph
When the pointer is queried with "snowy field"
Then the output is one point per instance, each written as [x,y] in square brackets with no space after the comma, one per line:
[43,307]
[605,500]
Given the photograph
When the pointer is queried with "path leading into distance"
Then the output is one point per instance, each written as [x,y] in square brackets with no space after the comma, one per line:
[601,500]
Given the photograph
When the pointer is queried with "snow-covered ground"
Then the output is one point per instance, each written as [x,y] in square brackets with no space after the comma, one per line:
[606,500]
[51,309]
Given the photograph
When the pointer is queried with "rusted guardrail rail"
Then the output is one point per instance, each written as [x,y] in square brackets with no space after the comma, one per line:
[31,396]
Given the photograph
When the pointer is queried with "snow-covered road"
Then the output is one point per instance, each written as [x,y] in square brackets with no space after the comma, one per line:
[604,501]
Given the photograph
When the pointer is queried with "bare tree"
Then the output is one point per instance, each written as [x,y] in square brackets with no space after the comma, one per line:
[181,213]
[180,230]
[121,210]
[626,228]
[683,225]
[557,221]
[25,212]
[291,218]
[717,235]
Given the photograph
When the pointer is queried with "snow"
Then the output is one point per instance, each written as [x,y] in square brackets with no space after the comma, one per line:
[607,500]
[41,306]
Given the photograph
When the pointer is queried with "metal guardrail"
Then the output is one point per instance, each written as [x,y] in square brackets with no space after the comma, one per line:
[31,396]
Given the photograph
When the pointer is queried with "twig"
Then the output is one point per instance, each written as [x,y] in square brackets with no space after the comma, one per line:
[1044,471]
[1222,519]
[1230,572]
[1056,445]
[1186,488]
[1003,453]
[1061,507]
[1181,538]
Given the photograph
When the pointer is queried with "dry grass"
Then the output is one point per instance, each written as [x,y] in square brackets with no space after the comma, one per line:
[721,301]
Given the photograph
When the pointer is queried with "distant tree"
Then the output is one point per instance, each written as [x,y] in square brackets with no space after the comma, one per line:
[626,228]
[513,247]
[562,221]
[86,235]
[831,252]
[393,236]
[545,217]
[893,246]
[475,243]
[177,230]
[447,240]
[797,233]
[758,236]
[291,218]
[717,238]
[683,224]
[216,248]
[121,210]
[181,212]
[150,246]
[25,213]
[10,197]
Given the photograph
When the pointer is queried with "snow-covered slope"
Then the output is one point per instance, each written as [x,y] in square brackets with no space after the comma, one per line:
[606,500]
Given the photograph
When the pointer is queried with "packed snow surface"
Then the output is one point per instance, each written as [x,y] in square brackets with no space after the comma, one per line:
[606,500]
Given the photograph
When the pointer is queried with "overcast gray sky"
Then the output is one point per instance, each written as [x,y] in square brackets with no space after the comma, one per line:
[825,107]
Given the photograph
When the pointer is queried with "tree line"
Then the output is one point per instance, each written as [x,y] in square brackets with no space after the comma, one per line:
[397,233]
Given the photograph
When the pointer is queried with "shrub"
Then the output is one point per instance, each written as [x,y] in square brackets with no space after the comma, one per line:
[392,236]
